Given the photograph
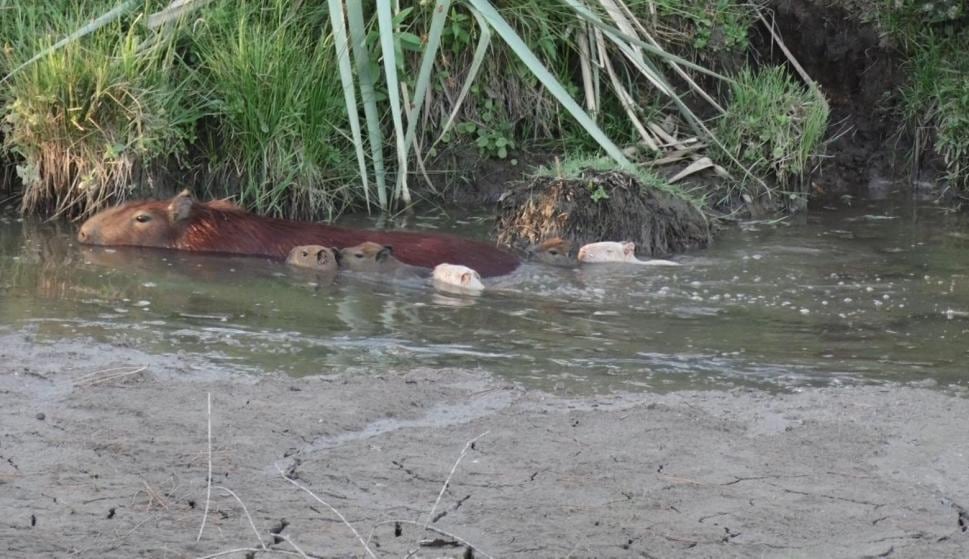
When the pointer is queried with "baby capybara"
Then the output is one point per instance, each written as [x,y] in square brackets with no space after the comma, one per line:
[317,257]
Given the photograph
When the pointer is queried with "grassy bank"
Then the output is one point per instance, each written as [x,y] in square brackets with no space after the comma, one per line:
[254,100]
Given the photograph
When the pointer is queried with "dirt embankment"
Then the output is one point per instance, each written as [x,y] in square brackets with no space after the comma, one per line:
[103,453]
[860,72]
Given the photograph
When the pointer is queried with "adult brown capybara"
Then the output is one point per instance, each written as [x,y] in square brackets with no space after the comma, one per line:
[182,223]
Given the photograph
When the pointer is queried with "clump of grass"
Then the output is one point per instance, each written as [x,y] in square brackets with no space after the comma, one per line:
[270,79]
[575,167]
[87,118]
[773,125]
[935,100]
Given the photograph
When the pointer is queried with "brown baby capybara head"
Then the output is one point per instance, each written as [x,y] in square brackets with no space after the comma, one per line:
[368,257]
[317,257]
[555,252]
[142,223]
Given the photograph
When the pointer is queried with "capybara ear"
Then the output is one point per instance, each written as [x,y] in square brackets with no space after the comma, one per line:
[466,278]
[338,256]
[180,206]
[385,253]
[629,248]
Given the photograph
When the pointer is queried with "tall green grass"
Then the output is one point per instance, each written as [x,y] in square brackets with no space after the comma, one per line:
[276,116]
[248,99]
[935,99]
[91,117]
[774,125]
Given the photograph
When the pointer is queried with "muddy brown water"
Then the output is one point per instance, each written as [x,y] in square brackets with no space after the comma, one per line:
[857,295]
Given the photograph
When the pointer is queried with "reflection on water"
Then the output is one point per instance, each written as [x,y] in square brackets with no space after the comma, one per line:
[863,294]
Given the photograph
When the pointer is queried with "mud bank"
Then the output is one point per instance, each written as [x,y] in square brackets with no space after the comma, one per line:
[103,453]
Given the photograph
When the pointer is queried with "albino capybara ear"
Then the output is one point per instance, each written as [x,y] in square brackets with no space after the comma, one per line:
[181,206]
[466,278]
[629,249]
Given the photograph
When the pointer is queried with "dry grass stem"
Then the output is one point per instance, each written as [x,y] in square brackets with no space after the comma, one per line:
[447,482]
[246,511]
[332,509]
[106,375]
[436,530]
[208,479]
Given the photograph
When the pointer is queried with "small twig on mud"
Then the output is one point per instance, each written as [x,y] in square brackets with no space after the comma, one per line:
[332,509]
[464,451]
[455,537]
[247,550]
[99,377]
[208,479]
[154,496]
[245,510]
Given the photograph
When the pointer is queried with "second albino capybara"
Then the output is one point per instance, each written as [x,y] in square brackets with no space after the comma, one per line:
[183,223]
[316,257]
[610,251]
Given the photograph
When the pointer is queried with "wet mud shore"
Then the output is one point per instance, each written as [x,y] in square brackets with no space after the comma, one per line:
[104,452]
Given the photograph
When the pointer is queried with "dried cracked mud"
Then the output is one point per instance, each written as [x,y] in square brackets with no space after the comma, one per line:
[104,453]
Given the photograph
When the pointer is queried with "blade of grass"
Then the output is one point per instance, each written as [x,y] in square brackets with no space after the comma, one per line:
[484,41]
[424,74]
[586,14]
[385,23]
[358,40]
[94,25]
[338,24]
[625,99]
[585,64]
[548,80]
[173,11]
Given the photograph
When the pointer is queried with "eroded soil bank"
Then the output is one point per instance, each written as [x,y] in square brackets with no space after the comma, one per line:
[103,454]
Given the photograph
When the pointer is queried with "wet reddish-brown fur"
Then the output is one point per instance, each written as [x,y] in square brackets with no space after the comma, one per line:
[220,227]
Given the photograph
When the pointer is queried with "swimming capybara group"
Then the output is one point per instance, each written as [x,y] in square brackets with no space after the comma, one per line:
[183,223]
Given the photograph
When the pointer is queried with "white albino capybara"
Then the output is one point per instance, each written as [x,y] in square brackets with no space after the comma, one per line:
[317,257]
[610,251]
[454,277]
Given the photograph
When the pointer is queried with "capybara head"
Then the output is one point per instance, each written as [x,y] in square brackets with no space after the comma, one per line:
[368,257]
[608,251]
[462,278]
[555,252]
[149,224]
[317,257]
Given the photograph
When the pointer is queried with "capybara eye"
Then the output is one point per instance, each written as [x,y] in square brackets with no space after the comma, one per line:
[305,253]
[358,255]
[142,218]
[553,252]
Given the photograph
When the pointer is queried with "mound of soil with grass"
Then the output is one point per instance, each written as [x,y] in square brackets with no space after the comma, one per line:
[600,206]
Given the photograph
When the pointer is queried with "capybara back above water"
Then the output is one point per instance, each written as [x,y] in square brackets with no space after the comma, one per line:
[183,223]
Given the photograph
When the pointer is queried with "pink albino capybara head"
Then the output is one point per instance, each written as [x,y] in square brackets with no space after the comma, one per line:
[608,251]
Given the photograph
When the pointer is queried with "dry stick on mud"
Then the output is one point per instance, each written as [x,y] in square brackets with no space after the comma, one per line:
[447,481]
[436,530]
[208,479]
[99,377]
[248,516]
[332,509]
